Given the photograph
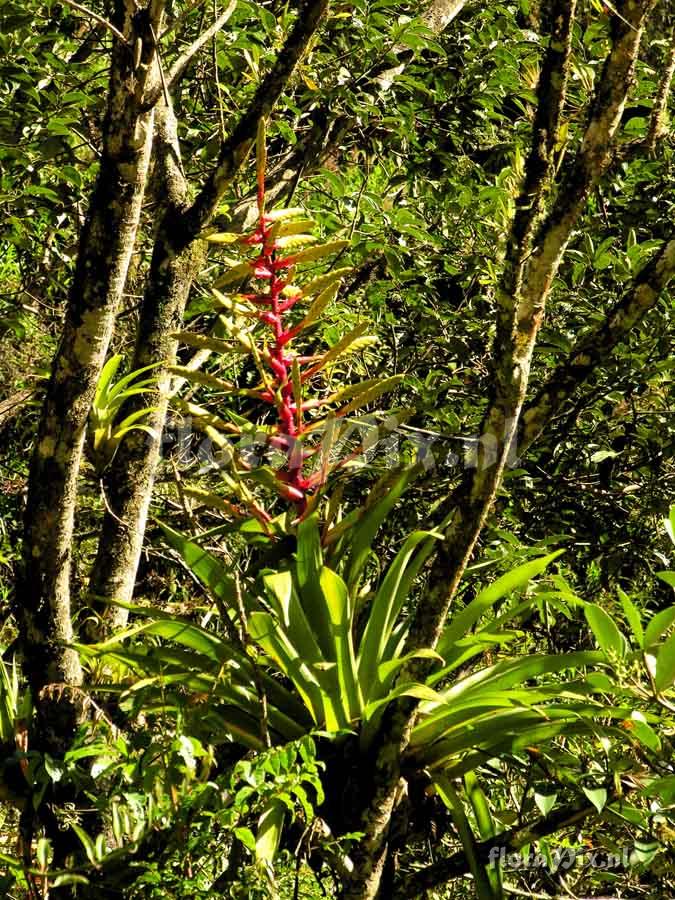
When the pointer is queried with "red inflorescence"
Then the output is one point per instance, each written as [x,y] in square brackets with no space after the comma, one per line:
[271,305]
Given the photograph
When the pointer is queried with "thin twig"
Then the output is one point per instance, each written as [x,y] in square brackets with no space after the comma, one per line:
[184,59]
[216,74]
[95,16]
[108,507]
[181,493]
[181,18]
[165,89]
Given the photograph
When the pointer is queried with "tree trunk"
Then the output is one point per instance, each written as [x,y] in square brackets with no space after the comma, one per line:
[171,272]
[130,479]
[106,244]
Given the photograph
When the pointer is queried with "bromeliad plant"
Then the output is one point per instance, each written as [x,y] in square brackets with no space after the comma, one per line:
[297,654]
[340,664]
[317,644]
[105,431]
[301,436]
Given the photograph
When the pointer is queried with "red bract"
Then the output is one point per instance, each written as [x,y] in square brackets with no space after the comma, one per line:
[271,305]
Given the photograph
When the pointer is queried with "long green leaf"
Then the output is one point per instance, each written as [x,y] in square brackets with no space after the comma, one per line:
[337,599]
[385,609]
[105,378]
[514,580]
[309,562]
[270,826]
[486,825]
[204,566]
[297,625]
[665,664]
[605,631]
[379,504]
[449,796]
[266,632]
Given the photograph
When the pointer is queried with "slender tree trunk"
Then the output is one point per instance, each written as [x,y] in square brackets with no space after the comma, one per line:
[172,269]
[130,479]
[43,594]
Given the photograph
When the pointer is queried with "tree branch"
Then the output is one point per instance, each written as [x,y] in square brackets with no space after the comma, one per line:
[235,150]
[441,12]
[180,65]
[525,288]
[659,117]
[177,22]
[96,18]
[175,261]
[457,865]
[595,347]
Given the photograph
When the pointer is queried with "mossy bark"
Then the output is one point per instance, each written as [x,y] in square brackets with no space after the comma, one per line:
[174,264]
[43,594]
[130,478]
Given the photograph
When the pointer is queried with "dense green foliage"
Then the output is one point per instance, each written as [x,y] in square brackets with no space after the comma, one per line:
[230,729]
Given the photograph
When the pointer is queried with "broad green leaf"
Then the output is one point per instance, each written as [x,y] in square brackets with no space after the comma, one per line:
[223,237]
[511,672]
[291,241]
[644,733]
[120,387]
[236,273]
[267,632]
[597,796]
[515,580]
[633,617]
[658,625]
[486,825]
[669,524]
[311,254]
[344,345]
[668,577]
[318,306]
[483,887]
[309,562]
[246,836]
[439,719]
[297,623]
[370,393]
[300,226]
[276,215]
[270,825]
[606,633]
[661,787]
[337,599]
[393,663]
[87,843]
[384,611]
[506,729]
[325,281]
[382,498]
[108,372]
[204,565]
[545,802]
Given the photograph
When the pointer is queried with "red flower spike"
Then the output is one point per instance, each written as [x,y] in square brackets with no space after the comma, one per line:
[281,388]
